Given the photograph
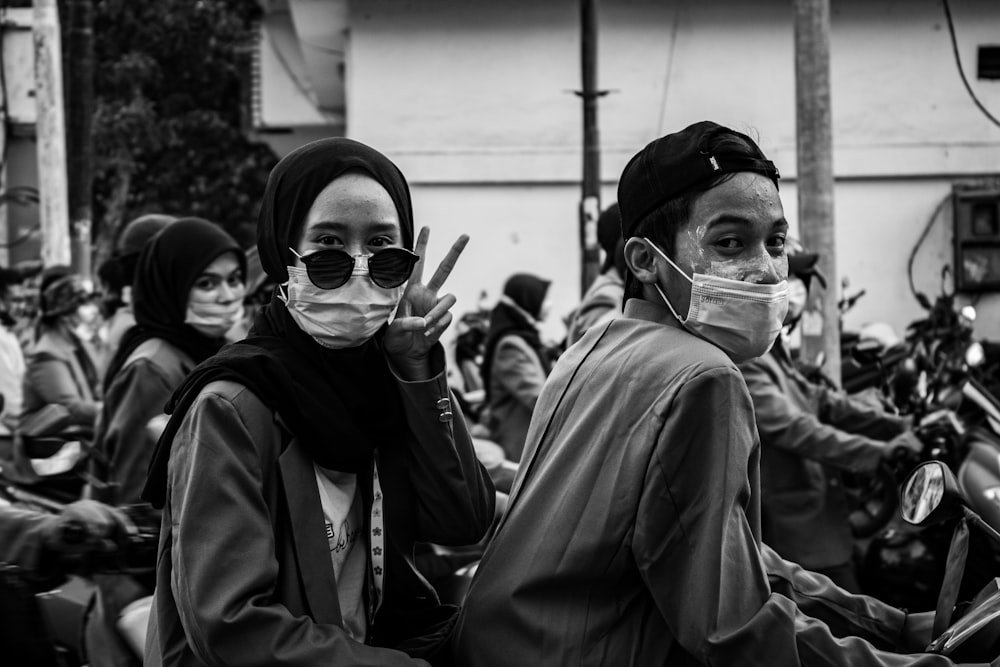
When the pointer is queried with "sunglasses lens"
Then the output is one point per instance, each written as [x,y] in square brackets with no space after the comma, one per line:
[329,269]
[391,267]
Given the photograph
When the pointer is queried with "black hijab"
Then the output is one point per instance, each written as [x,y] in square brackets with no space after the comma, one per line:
[528,292]
[339,404]
[166,271]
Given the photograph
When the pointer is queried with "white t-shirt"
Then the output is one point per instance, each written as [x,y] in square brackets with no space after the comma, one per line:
[12,369]
[345,534]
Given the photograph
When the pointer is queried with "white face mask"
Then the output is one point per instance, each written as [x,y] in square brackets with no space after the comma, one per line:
[213,319]
[343,317]
[741,318]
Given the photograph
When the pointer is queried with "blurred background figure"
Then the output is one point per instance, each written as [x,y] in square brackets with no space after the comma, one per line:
[12,365]
[117,274]
[810,434]
[605,296]
[188,293]
[515,361]
[61,365]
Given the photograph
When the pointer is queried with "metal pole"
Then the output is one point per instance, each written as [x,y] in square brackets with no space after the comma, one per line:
[80,99]
[820,324]
[590,204]
[53,205]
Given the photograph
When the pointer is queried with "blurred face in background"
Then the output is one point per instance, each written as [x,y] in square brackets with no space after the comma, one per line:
[215,302]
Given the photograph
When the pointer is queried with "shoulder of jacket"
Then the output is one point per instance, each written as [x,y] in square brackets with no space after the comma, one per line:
[49,346]
[169,358]
[250,408]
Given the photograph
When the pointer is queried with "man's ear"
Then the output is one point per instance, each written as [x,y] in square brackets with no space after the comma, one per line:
[640,259]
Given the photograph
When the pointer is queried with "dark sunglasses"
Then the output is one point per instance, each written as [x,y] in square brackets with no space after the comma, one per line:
[330,269]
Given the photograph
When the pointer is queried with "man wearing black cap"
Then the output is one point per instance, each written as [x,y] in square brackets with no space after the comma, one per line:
[632,536]
[603,300]
[809,433]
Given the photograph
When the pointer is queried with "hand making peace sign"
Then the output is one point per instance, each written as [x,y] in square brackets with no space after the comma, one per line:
[422,316]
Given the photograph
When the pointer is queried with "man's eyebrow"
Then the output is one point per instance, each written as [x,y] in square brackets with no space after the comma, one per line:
[731,218]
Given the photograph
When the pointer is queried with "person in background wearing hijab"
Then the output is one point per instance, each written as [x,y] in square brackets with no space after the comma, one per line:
[61,367]
[118,273]
[516,362]
[302,463]
[605,297]
[809,433]
[188,291]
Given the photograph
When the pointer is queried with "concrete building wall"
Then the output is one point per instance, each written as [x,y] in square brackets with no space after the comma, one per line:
[474,101]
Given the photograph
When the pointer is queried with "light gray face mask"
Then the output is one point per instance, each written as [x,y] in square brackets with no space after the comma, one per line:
[741,318]
[343,317]
[214,319]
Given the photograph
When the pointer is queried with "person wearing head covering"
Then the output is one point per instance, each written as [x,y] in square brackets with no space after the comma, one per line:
[632,533]
[810,433]
[604,299]
[118,273]
[62,368]
[302,463]
[188,292]
[515,362]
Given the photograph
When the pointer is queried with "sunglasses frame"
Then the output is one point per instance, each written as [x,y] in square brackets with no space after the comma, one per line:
[310,259]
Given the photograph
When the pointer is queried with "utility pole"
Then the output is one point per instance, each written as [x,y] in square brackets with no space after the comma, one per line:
[820,323]
[590,204]
[79,136]
[53,205]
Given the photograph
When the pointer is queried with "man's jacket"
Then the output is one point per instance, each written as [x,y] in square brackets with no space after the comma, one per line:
[808,434]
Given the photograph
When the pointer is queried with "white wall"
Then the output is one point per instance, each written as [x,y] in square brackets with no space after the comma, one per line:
[473,101]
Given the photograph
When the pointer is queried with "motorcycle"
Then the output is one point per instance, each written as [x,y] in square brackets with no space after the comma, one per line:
[904,566]
[44,615]
[962,630]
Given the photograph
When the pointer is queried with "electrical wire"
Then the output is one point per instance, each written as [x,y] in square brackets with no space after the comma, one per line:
[920,242]
[961,70]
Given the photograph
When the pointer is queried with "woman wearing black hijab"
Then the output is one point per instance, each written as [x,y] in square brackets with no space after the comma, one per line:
[188,291]
[516,362]
[301,464]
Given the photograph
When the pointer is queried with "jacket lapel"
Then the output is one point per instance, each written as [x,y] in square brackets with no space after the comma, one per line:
[313,552]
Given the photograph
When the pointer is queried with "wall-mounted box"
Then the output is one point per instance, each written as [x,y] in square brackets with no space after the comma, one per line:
[977,240]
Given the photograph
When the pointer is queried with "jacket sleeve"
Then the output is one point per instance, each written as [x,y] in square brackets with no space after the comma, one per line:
[54,383]
[225,570]
[139,393]
[454,495]
[840,410]
[787,426]
[518,369]
[697,552]
[22,536]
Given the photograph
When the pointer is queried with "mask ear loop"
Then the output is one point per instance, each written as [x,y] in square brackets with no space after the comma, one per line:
[657,285]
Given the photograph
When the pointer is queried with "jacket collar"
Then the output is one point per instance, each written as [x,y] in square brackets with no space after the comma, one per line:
[305,510]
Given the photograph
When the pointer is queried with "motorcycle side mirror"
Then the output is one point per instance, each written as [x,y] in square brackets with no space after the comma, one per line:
[867,352]
[923,300]
[930,495]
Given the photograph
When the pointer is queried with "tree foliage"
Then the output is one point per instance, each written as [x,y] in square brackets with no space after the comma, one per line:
[171,85]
